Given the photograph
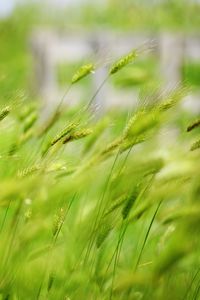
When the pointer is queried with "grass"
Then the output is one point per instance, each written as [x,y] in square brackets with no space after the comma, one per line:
[99,210]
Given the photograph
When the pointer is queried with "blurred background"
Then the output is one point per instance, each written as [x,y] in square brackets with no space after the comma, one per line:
[42,43]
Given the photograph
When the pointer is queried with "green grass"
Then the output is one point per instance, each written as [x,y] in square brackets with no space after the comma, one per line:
[107,211]
[98,209]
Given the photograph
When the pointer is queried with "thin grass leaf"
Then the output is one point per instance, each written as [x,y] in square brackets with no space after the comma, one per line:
[30,121]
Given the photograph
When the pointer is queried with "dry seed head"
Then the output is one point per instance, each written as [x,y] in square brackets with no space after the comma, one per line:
[122,62]
[4,112]
[82,72]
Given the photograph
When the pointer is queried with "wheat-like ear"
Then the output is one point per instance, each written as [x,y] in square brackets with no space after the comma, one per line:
[123,61]
[195,145]
[4,112]
[173,98]
[112,146]
[77,135]
[68,129]
[82,72]
[193,125]
[140,123]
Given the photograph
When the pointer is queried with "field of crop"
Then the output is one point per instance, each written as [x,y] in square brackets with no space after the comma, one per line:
[99,206]
[100,209]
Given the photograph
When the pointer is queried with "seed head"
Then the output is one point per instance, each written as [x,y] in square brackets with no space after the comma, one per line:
[193,125]
[68,129]
[83,72]
[122,62]
[4,112]
[77,135]
[195,146]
